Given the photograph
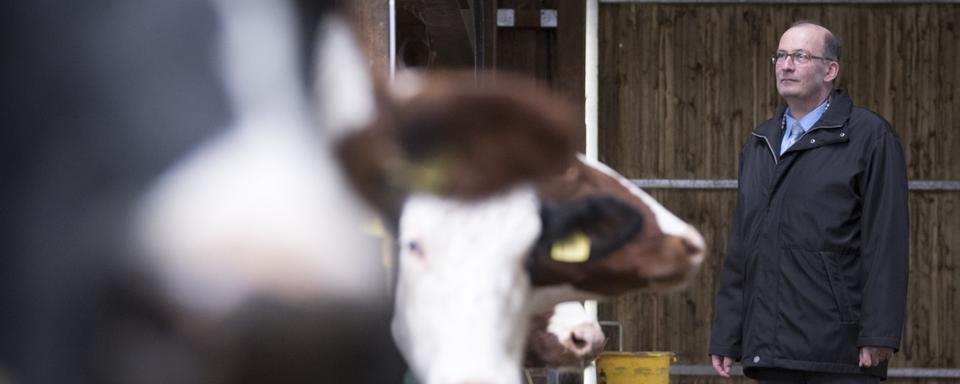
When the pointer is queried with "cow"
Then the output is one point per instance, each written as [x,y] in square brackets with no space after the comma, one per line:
[565,337]
[171,209]
[493,200]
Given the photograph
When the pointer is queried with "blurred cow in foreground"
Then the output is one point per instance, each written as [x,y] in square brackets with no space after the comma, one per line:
[499,220]
[171,211]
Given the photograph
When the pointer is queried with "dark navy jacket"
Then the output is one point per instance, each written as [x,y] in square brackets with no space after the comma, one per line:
[817,259]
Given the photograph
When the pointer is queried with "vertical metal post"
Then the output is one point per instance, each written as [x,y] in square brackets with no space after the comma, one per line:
[591,79]
[393,38]
[590,112]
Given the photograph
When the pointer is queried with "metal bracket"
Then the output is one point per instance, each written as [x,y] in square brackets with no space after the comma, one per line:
[512,18]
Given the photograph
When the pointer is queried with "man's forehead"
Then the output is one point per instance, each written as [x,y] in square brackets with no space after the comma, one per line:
[806,37]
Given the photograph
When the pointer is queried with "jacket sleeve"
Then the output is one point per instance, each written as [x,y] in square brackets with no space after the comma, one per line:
[726,331]
[885,236]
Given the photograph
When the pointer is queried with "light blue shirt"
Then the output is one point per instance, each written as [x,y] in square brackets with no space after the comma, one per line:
[806,122]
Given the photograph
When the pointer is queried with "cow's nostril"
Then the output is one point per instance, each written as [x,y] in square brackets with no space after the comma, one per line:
[578,342]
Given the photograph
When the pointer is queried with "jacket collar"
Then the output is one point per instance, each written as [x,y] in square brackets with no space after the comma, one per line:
[839,112]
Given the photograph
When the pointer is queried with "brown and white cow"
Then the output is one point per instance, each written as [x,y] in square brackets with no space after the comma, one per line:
[493,200]
[567,336]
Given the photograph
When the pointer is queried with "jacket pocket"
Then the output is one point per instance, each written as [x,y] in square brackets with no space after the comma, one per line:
[838,286]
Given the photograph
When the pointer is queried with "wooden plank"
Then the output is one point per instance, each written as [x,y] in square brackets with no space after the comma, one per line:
[570,59]
[516,51]
[489,25]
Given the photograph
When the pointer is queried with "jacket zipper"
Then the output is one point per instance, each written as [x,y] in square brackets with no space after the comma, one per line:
[776,159]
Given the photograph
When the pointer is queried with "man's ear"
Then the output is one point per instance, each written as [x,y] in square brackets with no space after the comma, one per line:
[833,70]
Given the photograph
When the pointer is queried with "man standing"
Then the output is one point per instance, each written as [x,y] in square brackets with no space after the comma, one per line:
[814,283]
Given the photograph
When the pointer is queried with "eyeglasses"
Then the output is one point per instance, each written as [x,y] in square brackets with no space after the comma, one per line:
[799,57]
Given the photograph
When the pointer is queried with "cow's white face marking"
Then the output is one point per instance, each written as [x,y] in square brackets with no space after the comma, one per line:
[463,289]
[668,222]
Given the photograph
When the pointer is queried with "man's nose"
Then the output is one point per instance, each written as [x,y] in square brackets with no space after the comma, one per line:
[788,64]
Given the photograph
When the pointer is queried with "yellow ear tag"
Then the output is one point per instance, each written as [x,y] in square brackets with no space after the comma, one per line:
[375,228]
[431,175]
[574,248]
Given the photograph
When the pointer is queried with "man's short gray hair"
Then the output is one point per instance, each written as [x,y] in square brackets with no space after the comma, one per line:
[832,43]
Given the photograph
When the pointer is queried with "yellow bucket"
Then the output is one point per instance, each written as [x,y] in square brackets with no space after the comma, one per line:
[634,367]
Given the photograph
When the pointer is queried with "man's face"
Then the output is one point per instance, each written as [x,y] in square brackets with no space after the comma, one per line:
[807,80]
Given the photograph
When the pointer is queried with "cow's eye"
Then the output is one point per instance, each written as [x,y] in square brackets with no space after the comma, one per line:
[414,248]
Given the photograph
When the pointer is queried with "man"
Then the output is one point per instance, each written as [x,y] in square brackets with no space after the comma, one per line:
[813,287]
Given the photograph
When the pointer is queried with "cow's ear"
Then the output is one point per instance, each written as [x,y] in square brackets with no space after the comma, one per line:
[481,139]
[588,228]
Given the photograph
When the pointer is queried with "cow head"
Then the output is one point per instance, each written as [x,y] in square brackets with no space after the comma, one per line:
[464,232]
[480,177]
[626,239]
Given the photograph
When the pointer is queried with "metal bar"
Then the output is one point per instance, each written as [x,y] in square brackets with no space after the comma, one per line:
[924,372]
[935,185]
[931,373]
[914,185]
[619,332]
[780,1]
[685,183]
[701,370]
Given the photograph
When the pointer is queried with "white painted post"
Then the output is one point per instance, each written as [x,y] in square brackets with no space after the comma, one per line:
[591,79]
[393,38]
[591,111]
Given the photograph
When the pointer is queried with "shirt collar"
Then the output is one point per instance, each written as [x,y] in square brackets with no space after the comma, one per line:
[811,118]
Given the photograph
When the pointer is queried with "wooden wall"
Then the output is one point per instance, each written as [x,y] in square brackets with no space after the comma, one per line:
[681,87]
